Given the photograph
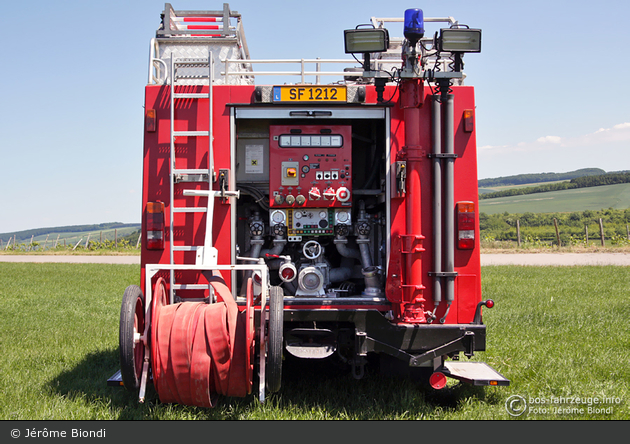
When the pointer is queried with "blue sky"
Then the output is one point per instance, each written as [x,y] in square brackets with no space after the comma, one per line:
[551,88]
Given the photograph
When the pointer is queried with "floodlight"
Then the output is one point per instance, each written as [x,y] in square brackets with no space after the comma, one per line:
[366,40]
[460,40]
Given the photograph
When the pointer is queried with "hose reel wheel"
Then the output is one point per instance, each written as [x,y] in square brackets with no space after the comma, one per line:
[131,344]
[275,343]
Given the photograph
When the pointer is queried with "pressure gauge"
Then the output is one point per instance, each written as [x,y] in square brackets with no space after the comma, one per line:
[278,217]
[343,217]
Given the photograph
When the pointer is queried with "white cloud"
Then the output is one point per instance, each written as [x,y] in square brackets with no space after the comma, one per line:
[606,148]
[549,139]
[617,133]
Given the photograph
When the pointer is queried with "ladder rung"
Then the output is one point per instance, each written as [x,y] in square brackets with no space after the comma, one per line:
[185,248]
[191,171]
[190,210]
[191,95]
[189,77]
[190,286]
[190,133]
[190,61]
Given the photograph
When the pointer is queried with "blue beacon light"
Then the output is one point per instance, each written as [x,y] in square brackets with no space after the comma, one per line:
[414,25]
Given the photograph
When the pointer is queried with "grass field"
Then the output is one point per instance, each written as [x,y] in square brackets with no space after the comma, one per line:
[580,199]
[508,187]
[555,332]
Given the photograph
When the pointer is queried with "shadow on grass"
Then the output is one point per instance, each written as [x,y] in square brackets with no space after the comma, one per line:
[329,387]
[311,389]
[86,383]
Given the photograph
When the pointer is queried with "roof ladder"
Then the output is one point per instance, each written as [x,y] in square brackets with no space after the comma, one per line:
[198,69]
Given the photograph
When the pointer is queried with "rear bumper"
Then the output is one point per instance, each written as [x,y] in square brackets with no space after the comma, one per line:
[375,333]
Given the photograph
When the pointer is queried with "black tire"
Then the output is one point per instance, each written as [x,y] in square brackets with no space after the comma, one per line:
[275,340]
[131,353]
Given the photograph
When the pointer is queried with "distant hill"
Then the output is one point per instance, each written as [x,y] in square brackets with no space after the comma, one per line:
[72,231]
[521,179]
[577,199]
[578,182]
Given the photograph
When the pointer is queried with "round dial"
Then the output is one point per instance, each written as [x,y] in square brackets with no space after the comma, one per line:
[278,217]
[342,216]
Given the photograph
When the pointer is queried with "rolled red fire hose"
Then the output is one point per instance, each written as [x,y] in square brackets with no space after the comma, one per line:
[200,351]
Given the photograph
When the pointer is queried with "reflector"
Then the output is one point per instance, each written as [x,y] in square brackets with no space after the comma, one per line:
[465,225]
[155,225]
[150,121]
[469,120]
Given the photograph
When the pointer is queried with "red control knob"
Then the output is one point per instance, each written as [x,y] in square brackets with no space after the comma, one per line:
[343,194]
[329,193]
[314,193]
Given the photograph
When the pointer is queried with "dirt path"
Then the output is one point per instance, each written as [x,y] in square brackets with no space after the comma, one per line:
[71,259]
[559,259]
[538,259]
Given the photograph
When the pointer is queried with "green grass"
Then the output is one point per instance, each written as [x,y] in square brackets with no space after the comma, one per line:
[579,199]
[553,332]
[524,185]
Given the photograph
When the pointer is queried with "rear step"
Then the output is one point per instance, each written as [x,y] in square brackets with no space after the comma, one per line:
[116,380]
[475,373]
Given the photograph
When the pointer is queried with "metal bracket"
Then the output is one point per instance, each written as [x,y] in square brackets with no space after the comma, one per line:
[401,177]
[467,340]
[443,155]
[451,274]
[224,183]
[191,178]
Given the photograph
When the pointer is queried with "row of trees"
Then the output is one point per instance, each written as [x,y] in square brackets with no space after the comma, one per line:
[579,182]
[522,179]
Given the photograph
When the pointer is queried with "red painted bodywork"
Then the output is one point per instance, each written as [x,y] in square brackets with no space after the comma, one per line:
[329,160]
[408,286]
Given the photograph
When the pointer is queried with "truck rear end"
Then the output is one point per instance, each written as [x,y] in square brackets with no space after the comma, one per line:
[323,220]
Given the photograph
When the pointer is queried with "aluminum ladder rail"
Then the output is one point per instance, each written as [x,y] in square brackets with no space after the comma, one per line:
[205,253]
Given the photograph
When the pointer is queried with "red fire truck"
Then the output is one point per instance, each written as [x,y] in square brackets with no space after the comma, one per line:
[325,220]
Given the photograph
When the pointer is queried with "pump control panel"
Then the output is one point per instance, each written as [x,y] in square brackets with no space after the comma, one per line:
[310,166]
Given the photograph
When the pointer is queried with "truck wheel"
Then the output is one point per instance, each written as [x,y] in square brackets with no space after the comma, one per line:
[275,340]
[130,345]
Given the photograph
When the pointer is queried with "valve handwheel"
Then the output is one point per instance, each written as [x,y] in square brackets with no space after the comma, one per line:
[312,250]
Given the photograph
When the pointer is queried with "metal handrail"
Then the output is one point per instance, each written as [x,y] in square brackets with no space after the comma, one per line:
[378,22]
[303,73]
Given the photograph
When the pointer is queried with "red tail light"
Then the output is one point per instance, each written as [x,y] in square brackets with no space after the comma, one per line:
[155,225]
[465,225]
